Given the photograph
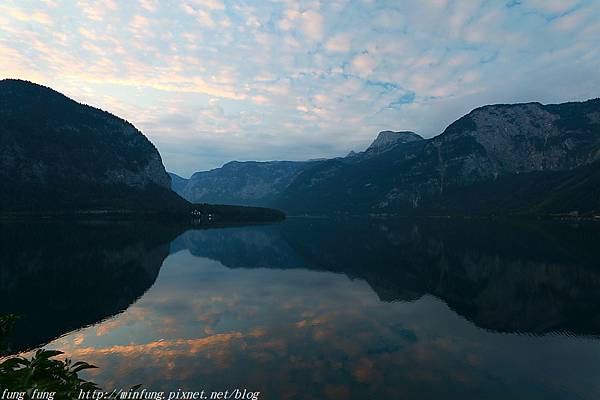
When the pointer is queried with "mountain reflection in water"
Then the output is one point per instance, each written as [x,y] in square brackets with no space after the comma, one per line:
[317,308]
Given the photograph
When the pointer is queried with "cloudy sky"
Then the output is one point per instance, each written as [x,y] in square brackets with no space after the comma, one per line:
[209,81]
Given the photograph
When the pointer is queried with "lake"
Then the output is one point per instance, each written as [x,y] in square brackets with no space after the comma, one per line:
[316,308]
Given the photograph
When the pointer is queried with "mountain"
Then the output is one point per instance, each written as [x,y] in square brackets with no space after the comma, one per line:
[498,159]
[178,183]
[387,140]
[248,183]
[57,155]
[253,183]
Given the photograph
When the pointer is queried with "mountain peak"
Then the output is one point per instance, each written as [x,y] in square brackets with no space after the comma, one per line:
[388,139]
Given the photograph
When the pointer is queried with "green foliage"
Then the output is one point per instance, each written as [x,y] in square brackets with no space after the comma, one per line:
[42,372]
[46,374]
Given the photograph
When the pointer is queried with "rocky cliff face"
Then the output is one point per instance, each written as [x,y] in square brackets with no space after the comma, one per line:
[500,158]
[524,138]
[242,183]
[387,140]
[58,154]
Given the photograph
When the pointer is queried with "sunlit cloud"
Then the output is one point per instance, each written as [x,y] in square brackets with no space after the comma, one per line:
[25,16]
[339,43]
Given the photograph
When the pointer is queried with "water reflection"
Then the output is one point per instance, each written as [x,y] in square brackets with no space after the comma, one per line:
[529,277]
[350,309]
[60,277]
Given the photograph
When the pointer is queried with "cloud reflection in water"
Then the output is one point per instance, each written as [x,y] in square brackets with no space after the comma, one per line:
[308,334]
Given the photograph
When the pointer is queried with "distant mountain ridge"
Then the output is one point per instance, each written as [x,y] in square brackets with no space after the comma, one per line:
[519,158]
[248,183]
[260,183]
[524,158]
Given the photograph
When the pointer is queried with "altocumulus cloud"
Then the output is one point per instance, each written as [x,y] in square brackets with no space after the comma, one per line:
[214,80]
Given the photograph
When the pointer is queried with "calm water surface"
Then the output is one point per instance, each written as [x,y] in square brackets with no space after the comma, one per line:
[316,308]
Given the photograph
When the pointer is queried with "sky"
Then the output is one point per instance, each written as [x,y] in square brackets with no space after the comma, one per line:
[210,81]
